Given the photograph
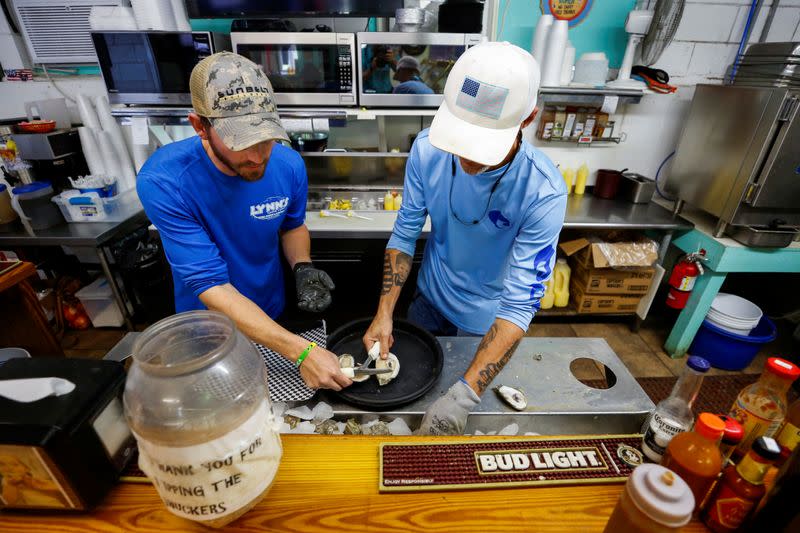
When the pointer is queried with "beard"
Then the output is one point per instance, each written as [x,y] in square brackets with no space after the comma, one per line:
[246,171]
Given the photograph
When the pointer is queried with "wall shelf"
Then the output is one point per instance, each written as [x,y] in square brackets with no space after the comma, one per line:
[585,143]
[588,95]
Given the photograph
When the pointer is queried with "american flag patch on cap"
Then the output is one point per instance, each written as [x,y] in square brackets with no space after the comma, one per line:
[482,98]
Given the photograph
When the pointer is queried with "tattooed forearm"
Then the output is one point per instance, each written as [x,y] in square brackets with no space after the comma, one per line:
[395,273]
[488,373]
[487,339]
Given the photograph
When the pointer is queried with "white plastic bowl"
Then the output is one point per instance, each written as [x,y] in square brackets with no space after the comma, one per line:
[736,307]
[738,331]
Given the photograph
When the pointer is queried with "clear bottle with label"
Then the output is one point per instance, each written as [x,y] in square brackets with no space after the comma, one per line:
[197,401]
[674,414]
[761,407]
[560,281]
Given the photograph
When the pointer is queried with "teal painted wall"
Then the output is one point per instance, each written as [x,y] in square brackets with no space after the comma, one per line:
[603,29]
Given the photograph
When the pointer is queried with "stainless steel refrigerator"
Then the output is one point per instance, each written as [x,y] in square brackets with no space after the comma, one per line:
[739,159]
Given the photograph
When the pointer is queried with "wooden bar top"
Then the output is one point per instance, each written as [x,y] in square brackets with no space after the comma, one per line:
[330,483]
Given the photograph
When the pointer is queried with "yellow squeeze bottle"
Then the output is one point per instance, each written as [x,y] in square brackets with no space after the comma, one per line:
[561,274]
[580,180]
[398,201]
[388,201]
[549,296]
[569,177]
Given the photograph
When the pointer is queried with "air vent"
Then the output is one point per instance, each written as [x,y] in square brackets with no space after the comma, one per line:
[58,31]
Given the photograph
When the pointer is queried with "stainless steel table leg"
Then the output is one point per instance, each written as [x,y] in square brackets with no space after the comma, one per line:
[115,290]
[662,250]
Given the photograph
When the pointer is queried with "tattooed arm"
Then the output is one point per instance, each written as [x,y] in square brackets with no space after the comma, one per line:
[494,351]
[396,268]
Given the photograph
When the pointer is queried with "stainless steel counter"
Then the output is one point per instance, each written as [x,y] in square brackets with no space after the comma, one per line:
[583,212]
[558,404]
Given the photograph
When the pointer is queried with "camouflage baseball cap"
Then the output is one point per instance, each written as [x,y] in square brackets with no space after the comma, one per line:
[236,97]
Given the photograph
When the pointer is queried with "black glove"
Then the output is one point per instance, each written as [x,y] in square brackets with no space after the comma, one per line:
[313,288]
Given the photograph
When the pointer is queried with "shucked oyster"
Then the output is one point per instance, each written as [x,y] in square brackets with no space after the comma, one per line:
[390,362]
[512,397]
[348,361]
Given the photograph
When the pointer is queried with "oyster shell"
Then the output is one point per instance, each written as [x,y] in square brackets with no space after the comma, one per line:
[513,397]
[292,421]
[348,361]
[379,428]
[352,427]
[390,362]
[327,427]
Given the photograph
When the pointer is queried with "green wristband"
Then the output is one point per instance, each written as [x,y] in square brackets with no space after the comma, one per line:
[305,354]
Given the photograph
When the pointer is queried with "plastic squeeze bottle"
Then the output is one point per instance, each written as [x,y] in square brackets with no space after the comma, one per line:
[673,415]
[655,500]
[388,201]
[741,487]
[549,295]
[398,201]
[695,455]
[761,407]
[560,282]
[569,178]
[580,179]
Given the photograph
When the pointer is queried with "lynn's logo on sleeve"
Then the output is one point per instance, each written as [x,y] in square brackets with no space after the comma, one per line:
[270,208]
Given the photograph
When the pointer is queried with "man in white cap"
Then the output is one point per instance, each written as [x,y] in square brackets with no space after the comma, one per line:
[226,201]
[497,207]
[407,74]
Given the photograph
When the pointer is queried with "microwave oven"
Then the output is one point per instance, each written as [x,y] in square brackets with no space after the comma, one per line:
[407,69]
[152,67]
[305,69]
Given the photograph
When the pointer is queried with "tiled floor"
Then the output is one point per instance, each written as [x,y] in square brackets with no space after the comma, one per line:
[641,352]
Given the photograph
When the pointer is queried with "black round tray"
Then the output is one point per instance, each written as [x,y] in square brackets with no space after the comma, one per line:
[421,361]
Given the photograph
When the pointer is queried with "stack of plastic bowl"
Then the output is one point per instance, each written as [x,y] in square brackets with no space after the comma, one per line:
[734,314]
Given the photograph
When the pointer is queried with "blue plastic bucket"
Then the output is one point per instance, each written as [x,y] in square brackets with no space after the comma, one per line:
[730,351]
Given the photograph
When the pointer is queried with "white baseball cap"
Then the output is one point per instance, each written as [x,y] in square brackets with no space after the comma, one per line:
[491,89]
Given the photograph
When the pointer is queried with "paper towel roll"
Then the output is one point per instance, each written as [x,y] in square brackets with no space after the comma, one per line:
[91,151]
[566,66]
[154,14]
[110,159]
[181,18]
[554,58]
[539,44]
[87,112]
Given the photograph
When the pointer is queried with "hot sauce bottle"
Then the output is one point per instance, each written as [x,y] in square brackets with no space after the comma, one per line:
[695,455]
[741,487]
[761,407]
[789,435]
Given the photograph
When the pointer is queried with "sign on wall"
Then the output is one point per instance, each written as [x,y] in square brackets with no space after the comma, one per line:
[573,11]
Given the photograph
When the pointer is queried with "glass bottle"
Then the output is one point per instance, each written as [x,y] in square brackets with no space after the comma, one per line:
[778,512]
[673,415]
[695,456]
[789,435]
[196,399]
[741,487]
[733,435]
[761,407]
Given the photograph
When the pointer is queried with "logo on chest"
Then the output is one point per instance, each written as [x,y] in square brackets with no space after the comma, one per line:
[270,208]
[499,220]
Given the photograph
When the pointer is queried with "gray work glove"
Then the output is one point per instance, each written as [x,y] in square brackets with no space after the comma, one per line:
[313,288]
[448,414]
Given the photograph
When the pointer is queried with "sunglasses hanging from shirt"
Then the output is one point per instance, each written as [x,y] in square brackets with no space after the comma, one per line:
[517,143]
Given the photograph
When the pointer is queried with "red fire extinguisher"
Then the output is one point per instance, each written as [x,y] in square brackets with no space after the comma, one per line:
[683,278]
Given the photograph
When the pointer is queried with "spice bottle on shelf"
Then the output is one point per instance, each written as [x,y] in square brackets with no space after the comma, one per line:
[674,414]
[741,487]
[695,455]
[789,435]
[761,407]
[655,500]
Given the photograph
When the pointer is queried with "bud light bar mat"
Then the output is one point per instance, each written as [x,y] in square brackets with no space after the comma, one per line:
[508,463]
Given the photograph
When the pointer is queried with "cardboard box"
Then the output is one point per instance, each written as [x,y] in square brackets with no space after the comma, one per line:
[610,281]
[604,303]
[615,254]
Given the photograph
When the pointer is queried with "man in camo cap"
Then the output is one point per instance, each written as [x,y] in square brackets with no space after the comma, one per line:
[226,201]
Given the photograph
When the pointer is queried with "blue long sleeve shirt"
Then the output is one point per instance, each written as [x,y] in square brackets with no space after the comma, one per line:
[219,229]
[474,273]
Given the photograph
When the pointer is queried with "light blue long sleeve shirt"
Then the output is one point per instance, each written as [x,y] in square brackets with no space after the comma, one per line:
[474,273]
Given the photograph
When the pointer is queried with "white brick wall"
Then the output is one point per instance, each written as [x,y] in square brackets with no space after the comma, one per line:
[708,37]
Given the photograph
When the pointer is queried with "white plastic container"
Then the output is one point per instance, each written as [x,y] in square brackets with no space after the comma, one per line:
[91,207]
[591,69]
[734,314]
[99,303]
